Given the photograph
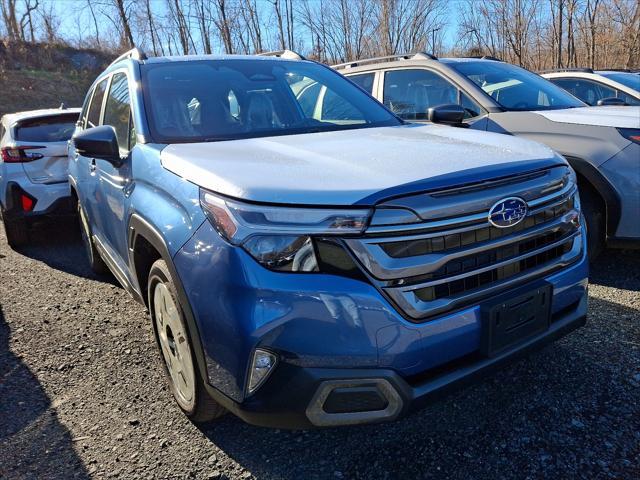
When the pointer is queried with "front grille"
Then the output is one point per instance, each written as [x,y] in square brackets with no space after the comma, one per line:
[488,277]
[439,264]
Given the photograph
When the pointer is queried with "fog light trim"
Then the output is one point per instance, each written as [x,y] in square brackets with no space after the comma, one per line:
[263,362]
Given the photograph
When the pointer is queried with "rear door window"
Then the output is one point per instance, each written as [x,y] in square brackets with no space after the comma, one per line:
[95,107]
[58,128]
[364,81]
[117,111]
[586,90]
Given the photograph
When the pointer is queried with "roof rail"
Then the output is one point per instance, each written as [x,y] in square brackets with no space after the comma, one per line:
[624,70]
[286,54]
[400,56]
[135,53]
[558,70]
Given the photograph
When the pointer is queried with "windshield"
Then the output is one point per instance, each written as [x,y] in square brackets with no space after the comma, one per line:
[631,80]
[515,88]
[229,99]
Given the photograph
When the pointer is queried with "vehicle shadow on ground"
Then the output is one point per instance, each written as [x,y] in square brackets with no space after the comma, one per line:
[617,269]
[33,443]
[531,420]
[58,244]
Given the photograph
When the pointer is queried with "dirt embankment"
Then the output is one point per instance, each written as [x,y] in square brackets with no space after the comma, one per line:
[43,76]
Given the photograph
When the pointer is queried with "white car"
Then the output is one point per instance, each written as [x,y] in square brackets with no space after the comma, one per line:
[33,168]
[599,87]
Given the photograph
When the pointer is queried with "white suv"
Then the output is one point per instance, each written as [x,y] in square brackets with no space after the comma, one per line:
[600,87]
[33,168]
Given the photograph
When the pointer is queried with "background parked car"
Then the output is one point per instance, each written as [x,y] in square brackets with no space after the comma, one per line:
[33,169]
[600,87]
[602,145]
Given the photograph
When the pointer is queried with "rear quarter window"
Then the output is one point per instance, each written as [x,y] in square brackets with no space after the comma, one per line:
[46,129]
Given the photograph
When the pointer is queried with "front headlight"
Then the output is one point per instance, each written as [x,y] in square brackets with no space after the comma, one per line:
[284,253]
[280,238]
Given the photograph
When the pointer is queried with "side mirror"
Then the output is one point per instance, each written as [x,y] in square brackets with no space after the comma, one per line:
[611,101]
[98,142]
[447,114]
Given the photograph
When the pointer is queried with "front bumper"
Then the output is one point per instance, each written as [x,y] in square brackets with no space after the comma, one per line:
[331,331]
[289,398]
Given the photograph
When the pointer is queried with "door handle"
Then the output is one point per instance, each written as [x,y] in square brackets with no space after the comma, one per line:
[92,166]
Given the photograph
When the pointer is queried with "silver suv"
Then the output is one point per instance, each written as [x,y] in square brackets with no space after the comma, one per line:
[602,144]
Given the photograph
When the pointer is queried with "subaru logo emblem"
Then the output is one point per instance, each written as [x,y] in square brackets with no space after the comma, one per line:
[508,212]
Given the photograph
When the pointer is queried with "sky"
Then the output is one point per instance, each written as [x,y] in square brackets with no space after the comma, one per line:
[76,21]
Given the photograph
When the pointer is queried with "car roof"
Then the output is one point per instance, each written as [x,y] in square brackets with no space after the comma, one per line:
[44,112]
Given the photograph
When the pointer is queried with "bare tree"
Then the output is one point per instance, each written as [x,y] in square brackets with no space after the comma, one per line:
[95,22]
[534,33]
[625,15]
[50,23]
[253,22]
[26,21]
[224,18]
[9,15]
[592,15]
[124,21]
[277,7]
[156,45]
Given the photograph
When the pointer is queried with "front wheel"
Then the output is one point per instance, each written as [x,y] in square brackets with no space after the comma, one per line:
[174,342]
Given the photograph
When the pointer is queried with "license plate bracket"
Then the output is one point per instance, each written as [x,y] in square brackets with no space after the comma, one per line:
[514,317]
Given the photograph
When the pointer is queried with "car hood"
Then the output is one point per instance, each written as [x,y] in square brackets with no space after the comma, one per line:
[619,117]
[348,167]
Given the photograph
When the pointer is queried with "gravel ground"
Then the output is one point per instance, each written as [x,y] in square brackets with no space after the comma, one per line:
[82,395]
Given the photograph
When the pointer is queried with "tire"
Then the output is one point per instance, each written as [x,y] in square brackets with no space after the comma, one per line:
[593,211]
[17,231]
[93,256]
[176,348]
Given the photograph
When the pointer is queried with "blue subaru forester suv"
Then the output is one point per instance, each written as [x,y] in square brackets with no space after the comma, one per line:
[307,258]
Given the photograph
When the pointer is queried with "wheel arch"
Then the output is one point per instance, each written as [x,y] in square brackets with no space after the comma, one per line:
[600,185]
[142,234]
